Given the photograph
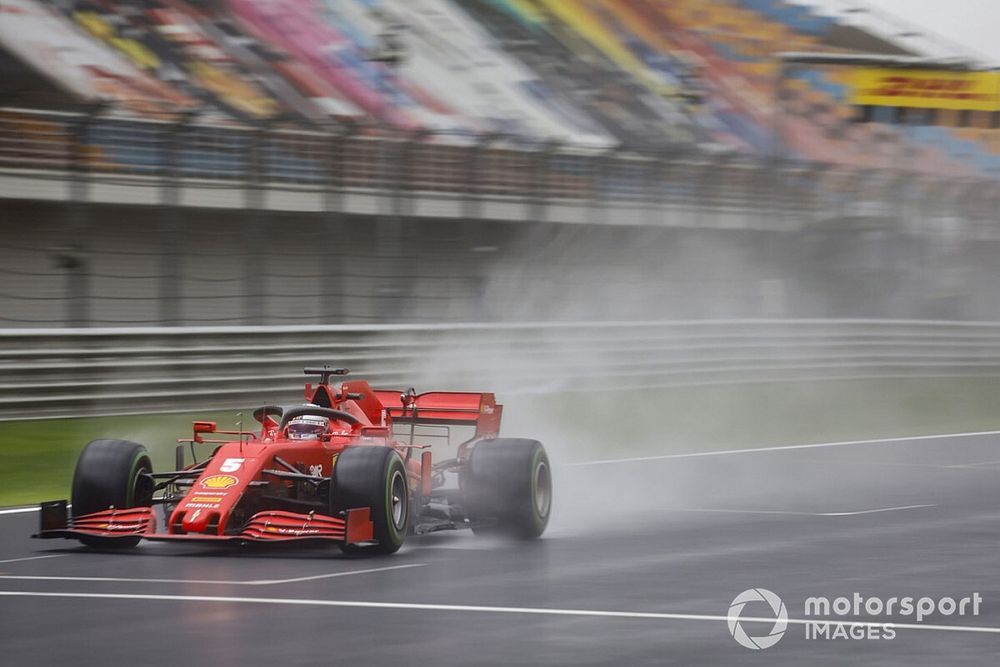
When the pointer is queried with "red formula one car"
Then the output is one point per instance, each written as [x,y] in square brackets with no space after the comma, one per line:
[354,466]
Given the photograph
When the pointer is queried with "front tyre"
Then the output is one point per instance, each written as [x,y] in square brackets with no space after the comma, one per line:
[373,477]
[508,488]
[111,473]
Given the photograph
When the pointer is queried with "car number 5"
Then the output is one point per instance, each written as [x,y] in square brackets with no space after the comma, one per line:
[231,465]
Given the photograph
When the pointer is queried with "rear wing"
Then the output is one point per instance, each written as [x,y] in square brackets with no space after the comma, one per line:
[444,408]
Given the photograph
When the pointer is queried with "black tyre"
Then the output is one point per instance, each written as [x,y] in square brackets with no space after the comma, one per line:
[375,477]
[109,474]
[508,488]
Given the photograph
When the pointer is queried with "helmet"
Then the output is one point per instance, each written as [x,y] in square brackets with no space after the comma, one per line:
[307,427]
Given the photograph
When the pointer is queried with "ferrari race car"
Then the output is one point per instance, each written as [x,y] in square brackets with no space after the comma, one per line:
[353,466]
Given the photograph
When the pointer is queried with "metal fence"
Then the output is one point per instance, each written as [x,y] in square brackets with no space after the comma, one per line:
[270,167]
[59,372]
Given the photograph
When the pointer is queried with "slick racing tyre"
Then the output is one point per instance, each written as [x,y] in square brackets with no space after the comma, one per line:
[508,488]
[109,473]
[374,477]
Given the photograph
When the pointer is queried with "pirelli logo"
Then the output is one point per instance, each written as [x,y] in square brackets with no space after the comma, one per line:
[926,89]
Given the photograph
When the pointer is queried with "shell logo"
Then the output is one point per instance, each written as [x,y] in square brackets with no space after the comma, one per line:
[219,482]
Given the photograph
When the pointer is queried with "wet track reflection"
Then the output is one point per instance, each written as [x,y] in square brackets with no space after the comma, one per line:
[639,566]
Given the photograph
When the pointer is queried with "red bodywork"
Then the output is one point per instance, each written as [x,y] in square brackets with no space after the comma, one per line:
[253,484]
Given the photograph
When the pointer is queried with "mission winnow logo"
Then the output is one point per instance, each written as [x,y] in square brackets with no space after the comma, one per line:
[765,614]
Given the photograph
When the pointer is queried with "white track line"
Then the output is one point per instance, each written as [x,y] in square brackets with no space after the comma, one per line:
[17,560]
[19,510]
[258,582]
[876,511]
[734,511]
[265,582]
[900,464]
[538,611]
[974,465]
[778,448]
[793,513]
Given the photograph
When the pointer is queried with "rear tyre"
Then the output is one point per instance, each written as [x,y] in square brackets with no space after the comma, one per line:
[109,473]
[508,488]
[374,477]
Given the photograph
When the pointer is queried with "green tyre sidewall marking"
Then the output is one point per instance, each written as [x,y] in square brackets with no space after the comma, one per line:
[395,464]
[536,460]
[133,477]
[107,479]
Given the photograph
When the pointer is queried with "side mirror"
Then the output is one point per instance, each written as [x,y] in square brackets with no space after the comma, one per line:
[203,427]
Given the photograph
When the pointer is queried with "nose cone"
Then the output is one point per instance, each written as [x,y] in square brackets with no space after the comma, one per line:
[201,512]
[196,521]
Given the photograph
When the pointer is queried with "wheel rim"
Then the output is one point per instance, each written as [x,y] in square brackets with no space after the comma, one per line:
[398,498]
[136,495]
[543,489]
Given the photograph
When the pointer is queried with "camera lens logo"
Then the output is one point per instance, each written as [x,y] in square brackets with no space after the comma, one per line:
[780,619]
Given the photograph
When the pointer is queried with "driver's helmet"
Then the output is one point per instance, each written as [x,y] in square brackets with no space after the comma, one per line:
[307,427]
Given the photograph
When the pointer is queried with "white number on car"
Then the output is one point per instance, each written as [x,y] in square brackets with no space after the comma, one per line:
[231,465]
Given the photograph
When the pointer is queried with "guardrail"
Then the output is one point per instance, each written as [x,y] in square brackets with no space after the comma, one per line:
[76,372]
[95,158]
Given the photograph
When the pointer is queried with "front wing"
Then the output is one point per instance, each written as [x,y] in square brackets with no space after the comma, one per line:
[269,526]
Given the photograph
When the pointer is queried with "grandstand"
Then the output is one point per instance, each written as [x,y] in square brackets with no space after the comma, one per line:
[642,74]
[651,158]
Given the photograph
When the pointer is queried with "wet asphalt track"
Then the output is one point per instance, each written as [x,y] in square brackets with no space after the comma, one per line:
[677,536]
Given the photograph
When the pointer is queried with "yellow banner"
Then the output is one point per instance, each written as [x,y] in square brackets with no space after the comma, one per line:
[927,89]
